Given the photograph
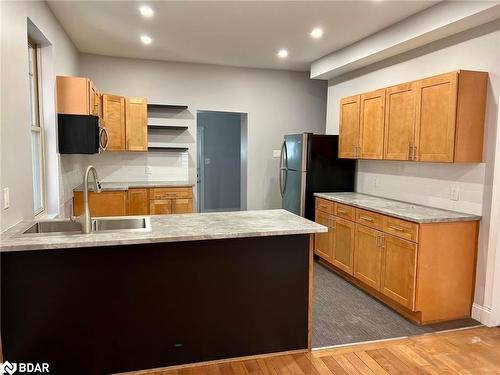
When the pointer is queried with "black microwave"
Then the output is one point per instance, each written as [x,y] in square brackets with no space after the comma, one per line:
[80,134]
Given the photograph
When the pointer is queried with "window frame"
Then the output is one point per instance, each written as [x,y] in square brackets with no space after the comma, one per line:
[38,126]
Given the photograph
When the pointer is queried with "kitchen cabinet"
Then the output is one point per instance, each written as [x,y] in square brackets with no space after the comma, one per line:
[160,207]
[343,244]
[136,124]
[435,119]
[323,241]
[138,202]
[349,127]
[399,270]
[425,271]
[114,121]
[368,256]
[371,128]
[77,96]
[106,203]
[399,133]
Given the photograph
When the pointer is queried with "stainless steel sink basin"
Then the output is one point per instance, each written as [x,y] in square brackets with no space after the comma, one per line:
[54,226]
[66,226]
[136,224]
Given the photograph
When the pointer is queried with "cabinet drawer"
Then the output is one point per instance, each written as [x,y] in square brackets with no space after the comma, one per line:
[346,212]
[401,228]
[324,205]
[370,219]
[167,193]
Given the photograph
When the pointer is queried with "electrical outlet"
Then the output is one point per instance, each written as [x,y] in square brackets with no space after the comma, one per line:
[375,181]
[276,153]
[6,198]
[148,170]
[454,193]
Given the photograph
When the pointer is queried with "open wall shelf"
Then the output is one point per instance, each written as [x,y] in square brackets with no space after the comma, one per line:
[163,146]
[168,127]
[176,107]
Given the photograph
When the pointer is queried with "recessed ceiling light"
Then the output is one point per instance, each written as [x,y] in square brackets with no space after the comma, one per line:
[146,39]
[317,32]
[283,53]
[146,11]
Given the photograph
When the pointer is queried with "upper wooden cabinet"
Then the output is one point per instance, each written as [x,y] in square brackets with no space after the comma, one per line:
[136,124]
[437,119]
[399,132]
[349,127]
[77,96]
[114,121]
[371,126]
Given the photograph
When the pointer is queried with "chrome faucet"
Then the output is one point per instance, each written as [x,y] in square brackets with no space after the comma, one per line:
[85,219]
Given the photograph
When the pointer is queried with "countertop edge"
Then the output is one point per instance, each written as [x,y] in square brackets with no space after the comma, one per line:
[470,217]
[138,241]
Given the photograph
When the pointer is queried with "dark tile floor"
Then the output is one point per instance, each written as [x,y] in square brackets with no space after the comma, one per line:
[344,314]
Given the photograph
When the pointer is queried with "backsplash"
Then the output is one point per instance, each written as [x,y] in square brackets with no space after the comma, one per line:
[430,184]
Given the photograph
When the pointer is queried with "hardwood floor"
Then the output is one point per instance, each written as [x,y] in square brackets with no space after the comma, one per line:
[471,351]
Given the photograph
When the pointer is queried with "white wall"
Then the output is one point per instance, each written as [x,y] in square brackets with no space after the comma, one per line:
[277,103]
[59,56]
[427,183]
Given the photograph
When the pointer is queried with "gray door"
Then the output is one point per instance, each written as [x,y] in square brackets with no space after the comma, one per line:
[294,151]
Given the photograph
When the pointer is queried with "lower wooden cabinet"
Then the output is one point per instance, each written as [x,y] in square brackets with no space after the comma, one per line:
[323,241]
[137,201]
[399,270]
[368,256]
[106,203]
[343,245]
[423,271]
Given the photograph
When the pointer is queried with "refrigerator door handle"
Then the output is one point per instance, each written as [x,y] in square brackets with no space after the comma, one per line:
[283,168]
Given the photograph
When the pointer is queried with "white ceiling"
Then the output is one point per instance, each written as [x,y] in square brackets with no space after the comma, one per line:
[233,33]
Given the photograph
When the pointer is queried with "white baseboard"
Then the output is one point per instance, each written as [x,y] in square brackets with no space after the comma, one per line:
[484,314]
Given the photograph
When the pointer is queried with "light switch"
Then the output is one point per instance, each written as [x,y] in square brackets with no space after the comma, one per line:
[454,193]
[276,153]
[6,198]
[148,170]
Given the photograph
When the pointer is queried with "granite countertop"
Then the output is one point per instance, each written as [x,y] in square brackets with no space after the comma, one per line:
[125,185]
[170,228]
[403,210]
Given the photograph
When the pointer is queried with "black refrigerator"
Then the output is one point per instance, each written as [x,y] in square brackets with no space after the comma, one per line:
[309,164]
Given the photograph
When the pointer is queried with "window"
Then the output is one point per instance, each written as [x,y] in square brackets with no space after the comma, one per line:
[37,143]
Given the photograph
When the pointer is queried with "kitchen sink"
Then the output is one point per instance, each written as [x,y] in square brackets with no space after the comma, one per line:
[104,224]
[54,226]
[136,224]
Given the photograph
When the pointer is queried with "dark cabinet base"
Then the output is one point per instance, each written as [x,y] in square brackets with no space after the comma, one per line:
[121,308]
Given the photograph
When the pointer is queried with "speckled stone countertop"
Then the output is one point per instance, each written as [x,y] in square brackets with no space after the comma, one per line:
[402,210]
[125,185]
[170,228]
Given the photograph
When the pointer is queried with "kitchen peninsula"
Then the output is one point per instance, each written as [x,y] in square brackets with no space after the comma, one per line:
[196,287]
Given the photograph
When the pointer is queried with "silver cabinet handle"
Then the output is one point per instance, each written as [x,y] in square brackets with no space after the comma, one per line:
[366,218]
[399,229]
[410,149]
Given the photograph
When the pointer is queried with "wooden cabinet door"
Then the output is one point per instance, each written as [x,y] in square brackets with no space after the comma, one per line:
[114,121]
[136,124]
[138,202]
[343,245]
[368,256]
[399,133]
[106,203]
[160,207]
[436,116]
[399,270]
[182,206]
[93,99]
[73,95]
[349,127]
[371,128]
[323,241]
